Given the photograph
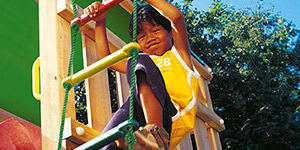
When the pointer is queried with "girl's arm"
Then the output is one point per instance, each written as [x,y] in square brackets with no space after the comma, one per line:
[103,48]
[179,32]
[101,36]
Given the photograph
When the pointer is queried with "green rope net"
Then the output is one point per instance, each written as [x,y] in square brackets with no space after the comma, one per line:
[67,87]
[130,137]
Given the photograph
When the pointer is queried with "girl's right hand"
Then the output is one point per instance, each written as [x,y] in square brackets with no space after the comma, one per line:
[93,11]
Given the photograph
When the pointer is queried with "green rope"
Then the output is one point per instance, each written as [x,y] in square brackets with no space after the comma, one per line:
[130,137]
[67,87]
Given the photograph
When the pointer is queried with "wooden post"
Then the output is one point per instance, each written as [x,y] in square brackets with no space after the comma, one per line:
[97,89]
[55,45]
[186,144]
[208,124]
[200,131]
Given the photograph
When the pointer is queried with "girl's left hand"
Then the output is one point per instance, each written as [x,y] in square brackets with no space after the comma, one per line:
[93,11]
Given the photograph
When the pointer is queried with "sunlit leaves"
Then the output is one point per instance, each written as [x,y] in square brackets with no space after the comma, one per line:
[254,55]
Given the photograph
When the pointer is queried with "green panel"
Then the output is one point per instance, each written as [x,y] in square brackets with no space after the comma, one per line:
[78,55]
[118,22]
[19,48]
[19,40]
[84,3]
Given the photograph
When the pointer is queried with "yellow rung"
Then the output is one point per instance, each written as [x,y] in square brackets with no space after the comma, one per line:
[101,64]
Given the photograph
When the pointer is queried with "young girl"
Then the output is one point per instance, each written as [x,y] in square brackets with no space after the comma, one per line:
[166,90]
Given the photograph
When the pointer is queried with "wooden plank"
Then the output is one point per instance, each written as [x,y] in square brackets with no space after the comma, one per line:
[54,53]
[205,111]
[64,9]
[97,89]
[71,145]
[119,89]
[201,135]
[89,133]
[127,5]
[123,88]
[63,55]
[210,117]
[186,144]
[202,97]
[214,139]
[208,98]
[205,71]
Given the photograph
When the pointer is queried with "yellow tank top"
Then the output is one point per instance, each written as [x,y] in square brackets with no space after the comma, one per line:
[182,85]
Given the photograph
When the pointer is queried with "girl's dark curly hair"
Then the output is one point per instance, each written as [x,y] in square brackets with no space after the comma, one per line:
[149,14]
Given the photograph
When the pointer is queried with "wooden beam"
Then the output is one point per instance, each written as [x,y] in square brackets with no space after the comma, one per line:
[202,97]
[71,145]
[64,9]
[185,144]
[55,45]
[210,117]
[214,139]
[127,5]
[80,133]
[204,71]
[207,94]
[123,88]
[201,135]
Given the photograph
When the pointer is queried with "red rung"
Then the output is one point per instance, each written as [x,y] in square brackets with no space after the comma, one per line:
[83,19]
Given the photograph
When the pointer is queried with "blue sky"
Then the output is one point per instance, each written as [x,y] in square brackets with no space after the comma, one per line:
[285,8]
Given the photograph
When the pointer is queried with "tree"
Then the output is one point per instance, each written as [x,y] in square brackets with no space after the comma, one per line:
[254,56]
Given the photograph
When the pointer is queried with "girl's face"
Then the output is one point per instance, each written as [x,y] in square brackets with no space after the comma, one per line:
[154,39]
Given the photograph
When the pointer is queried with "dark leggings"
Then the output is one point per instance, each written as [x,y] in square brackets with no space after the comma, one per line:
[156,82]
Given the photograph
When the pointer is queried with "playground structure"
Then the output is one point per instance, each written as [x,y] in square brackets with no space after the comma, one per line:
[55,44]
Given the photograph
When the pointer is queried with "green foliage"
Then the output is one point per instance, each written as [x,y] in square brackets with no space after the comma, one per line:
[255,60]
[254,56]
[80,103]
[112,89]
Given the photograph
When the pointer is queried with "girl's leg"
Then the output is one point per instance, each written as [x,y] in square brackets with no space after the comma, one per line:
[145,70]
[155,82]
[120,116]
